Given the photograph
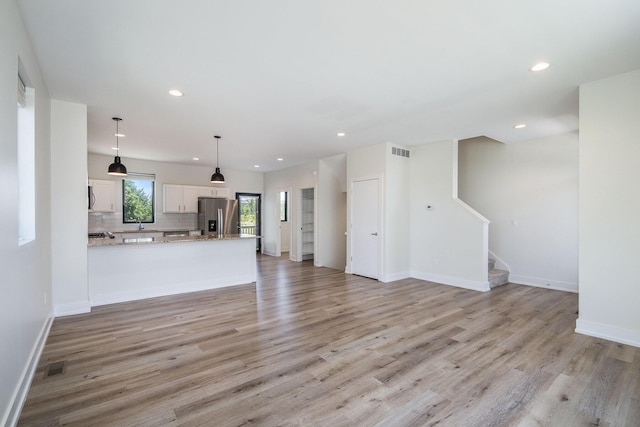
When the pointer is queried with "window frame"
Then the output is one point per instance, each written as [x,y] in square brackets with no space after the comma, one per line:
[133,176]
[286,206]
[26,157]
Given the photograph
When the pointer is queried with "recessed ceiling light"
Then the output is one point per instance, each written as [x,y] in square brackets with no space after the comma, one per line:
[341,134]
[520,126]
[196,158]
[114,148]
[119,135]
[175,92]
[540,66]
[279,159]
[256,166]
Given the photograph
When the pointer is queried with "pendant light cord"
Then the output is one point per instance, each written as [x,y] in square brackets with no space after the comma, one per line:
[117,138]
[217,150]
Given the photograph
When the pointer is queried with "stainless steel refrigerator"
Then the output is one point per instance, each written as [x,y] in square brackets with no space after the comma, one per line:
[212,212]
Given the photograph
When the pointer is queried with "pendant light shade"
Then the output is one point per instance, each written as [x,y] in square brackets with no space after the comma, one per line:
[117,168]
[217,177]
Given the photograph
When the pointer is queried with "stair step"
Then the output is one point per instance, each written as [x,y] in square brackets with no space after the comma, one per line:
[498,277]
[492,264]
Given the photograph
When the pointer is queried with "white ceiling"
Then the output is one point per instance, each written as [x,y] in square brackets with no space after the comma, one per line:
[280,78]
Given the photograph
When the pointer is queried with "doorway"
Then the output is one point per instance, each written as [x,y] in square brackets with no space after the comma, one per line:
[283,240]
[306,247]
[365,223]
[249,215]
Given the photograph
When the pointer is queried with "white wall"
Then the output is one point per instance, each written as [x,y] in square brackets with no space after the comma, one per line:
[294,178]
[529,192]
[610,209]
[332,213]
[396,217]
[449,241]
[69,208]
[166,173]
[25,316]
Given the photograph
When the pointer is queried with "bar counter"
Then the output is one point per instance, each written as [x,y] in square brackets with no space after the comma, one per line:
[127,269]
[119,240]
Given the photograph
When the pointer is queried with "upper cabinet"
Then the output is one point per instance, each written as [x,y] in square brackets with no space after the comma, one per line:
[184,198]
[180,199]
[102,196]
[218,192]
[190,199]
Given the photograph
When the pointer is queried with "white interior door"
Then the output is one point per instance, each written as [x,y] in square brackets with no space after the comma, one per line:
[365,243]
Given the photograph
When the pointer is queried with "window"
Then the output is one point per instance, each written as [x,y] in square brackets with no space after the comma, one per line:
[284,206]
[138,198]
[26,159]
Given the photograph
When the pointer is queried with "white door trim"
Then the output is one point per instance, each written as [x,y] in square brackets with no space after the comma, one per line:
[278,251]
[381,230]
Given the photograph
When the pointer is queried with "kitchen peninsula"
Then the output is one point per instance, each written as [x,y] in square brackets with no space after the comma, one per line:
[127,269]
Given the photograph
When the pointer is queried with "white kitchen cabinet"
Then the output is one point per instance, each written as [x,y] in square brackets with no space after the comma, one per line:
[218,192]
[103,196]
[222,192]
[206,192]
[180,198]
[173,197]
[190,199]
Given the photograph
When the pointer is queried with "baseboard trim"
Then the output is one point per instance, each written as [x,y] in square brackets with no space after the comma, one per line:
[20,394]
[70,309]
[392,277]
[543,283]
[267,252]
[474,285]
[608,332]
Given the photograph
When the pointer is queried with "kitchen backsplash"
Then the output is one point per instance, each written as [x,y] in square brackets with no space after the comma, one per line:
[164,222]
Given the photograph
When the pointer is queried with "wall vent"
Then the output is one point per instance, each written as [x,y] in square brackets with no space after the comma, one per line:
[397,151]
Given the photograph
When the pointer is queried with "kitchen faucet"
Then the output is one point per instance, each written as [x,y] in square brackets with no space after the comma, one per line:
[140,225]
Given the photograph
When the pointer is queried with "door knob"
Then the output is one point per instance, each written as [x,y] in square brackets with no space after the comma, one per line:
[374,234]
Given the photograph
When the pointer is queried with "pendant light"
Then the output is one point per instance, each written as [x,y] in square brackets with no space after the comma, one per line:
[117,168]
[217,177]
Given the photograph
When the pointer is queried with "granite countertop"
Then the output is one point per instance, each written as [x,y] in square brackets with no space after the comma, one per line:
[120,241]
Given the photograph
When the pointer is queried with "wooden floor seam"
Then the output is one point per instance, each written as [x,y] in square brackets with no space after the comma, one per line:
[311,346]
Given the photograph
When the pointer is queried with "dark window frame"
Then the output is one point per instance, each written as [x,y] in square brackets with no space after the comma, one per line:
[140,177]
[286,206]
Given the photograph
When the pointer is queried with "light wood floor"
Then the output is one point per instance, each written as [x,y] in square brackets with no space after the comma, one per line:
[313,346]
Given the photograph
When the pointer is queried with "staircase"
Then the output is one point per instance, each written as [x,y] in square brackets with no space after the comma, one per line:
[497,277]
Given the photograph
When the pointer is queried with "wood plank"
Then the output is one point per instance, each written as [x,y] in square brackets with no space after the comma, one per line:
[314,346]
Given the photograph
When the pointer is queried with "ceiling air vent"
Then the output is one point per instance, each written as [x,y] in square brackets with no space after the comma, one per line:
[397,151]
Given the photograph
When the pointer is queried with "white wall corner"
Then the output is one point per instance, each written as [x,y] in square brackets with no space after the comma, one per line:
[69,309]
[392,277]
[608,332]
[454,177]
[268,252]
[474,285]
[22,390]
